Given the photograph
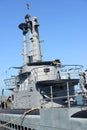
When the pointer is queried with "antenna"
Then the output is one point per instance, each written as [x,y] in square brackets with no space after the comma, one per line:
[27,6]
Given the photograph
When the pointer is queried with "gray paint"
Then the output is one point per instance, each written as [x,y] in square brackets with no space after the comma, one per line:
[46,85]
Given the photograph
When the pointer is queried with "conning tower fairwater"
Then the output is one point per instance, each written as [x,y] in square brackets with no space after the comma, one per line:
[40,83]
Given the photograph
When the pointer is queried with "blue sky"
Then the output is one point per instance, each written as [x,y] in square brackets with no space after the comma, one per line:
[63,27]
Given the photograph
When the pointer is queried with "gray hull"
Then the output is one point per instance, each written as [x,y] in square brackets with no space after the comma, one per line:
[49,119]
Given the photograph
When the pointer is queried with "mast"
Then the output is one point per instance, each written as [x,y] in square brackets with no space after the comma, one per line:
[24,28]
[35,52]
[30,30]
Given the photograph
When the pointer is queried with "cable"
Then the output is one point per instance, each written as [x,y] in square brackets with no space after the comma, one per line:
[23,115]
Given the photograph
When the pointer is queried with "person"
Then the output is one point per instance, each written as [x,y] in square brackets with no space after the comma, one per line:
[8,102]
[2,104]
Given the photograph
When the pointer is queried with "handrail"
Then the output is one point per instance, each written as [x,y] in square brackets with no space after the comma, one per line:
[38,74]
[70,100]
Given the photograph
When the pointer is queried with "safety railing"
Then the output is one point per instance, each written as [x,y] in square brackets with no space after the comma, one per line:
[54,73]
[47,72]
[10,81]
[66,100]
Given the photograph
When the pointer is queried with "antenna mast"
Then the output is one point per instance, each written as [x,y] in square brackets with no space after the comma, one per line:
[30,26]
[27,6]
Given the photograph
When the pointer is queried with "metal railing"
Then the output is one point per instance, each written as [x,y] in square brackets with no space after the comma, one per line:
[65,72]
[10,81]
[66,100]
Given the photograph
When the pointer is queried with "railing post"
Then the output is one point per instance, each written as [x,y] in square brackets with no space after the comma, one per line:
[68,94]
[51,94]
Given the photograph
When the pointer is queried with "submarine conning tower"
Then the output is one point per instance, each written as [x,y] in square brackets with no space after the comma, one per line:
[30,32]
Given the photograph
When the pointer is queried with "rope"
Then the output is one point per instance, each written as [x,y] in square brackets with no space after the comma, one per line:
[24,114]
